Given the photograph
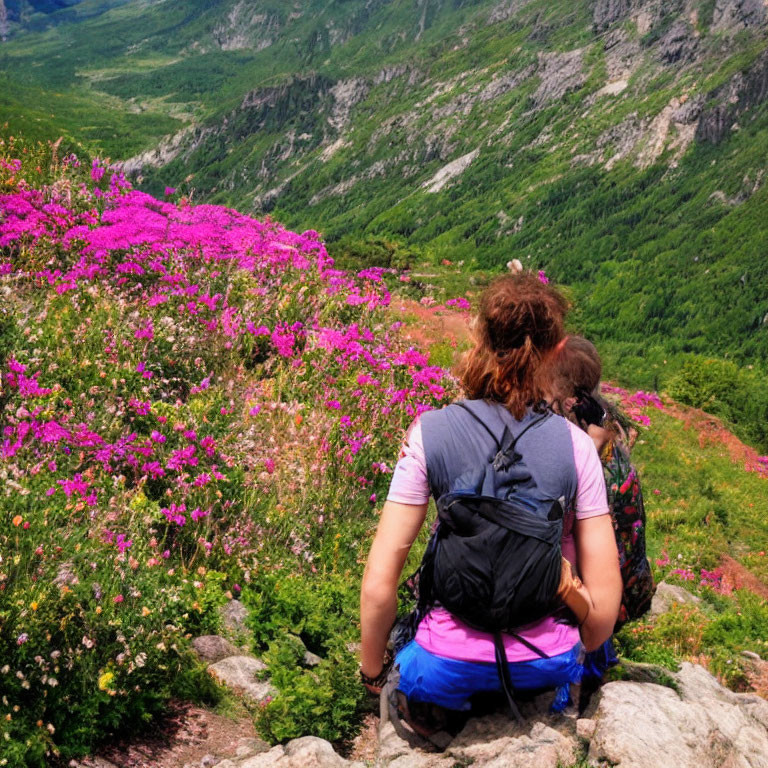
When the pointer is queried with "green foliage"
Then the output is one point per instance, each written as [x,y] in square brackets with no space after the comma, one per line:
[742,628]
[353,253]
[290,614]
[706,12]
[658,674]
[324,700]
[716,636]
[640,645]
[737,395]
[265,468]
[319,610]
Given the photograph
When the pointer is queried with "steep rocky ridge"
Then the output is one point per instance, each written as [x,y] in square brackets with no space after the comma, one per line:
[607,75]
[742,92]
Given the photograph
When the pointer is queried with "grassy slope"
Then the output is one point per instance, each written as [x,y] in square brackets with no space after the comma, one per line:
[709,509]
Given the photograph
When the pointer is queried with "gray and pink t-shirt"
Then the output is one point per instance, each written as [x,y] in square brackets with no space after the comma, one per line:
[440,632]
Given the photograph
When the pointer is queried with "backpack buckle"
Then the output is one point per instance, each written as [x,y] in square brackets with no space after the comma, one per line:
[502,461]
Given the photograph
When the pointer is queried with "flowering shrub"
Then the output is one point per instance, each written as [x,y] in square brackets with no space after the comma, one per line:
[634,404]
[191,398]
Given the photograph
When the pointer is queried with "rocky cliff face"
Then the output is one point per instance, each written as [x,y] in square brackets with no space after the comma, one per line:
[734,98]
[244,27]
[393,114]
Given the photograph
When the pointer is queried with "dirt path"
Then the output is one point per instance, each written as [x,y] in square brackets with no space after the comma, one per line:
[435,324]
[188,737]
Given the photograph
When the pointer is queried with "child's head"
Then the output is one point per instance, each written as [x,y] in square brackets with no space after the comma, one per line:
[573,366]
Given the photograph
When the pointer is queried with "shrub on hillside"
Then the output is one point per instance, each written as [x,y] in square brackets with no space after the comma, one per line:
[737,395]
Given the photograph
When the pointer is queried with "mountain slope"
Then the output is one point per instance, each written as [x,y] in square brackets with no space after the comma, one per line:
[619,145]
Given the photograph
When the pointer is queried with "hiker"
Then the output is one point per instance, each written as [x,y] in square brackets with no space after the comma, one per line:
[502,444]
[572,374]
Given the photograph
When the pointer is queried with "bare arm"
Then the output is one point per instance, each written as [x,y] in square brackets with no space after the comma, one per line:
[598,561]
[398,527]
[600,436]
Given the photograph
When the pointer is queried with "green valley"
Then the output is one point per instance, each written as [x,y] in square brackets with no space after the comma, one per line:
[617,144]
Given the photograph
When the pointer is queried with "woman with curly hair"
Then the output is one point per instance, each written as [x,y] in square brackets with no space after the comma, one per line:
[449,661]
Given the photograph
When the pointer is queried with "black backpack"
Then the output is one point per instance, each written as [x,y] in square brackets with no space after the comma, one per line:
[495,563]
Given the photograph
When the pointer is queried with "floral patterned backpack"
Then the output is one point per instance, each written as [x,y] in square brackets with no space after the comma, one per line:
[625,500]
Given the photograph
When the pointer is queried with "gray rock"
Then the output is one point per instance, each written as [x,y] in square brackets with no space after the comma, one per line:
[312,752]
[733,15]
[226,764]
[729,101]
[678,44]
[585,728]
[234,614]
[247,747]
[422,760]
[212,648]
[606,12]
[265,760]
[559,73]
[241,673]
[311,659]
[346,94]
[506,10]
[688,112]
[497,742]
[503,84]
[622,54]
[306,752]
[707,727]
[669,594]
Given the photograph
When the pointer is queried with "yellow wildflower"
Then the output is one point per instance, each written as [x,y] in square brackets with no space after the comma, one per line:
[105,680]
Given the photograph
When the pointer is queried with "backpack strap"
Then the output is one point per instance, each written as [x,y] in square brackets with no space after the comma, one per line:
[502,667]
[503,453]
[463,405]
[530,646]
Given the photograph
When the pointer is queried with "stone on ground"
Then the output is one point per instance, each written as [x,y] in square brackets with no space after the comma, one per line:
[234,614]
[669,594]
[306,752]
[212,648]
[242,674]
[497,742]
[707,726]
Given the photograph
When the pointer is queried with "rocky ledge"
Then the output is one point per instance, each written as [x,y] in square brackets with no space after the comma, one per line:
[690,722]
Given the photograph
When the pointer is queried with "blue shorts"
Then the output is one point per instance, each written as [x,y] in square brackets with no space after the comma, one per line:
[450,683]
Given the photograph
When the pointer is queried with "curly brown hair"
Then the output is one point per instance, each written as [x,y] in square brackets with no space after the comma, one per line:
[520,320]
